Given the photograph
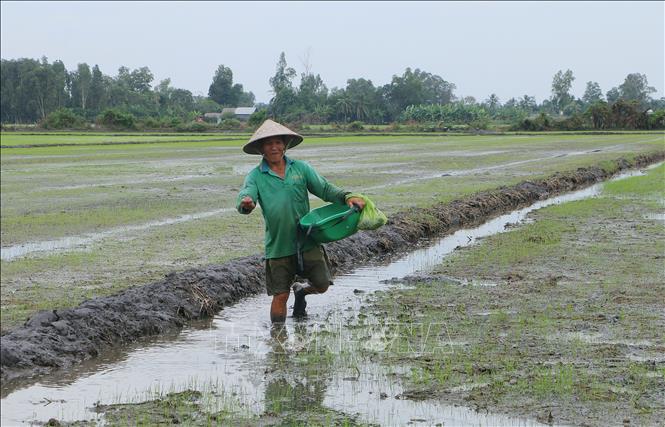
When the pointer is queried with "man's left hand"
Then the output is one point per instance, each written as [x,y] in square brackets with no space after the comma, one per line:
[356,201]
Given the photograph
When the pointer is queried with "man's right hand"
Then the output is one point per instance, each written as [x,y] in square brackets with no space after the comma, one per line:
[247,204]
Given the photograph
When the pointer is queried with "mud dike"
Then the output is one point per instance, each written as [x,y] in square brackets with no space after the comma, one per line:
[60,339]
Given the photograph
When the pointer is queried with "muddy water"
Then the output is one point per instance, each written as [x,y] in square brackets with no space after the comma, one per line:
[236,355]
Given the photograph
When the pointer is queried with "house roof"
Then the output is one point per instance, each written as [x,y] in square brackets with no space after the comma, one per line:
[245,110]
[236,111]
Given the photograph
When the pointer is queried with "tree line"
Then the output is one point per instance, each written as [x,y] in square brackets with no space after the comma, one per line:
[32,89]
[38,91]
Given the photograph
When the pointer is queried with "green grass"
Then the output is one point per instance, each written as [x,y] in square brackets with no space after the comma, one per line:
[578,296]
[48,138]
[652,184]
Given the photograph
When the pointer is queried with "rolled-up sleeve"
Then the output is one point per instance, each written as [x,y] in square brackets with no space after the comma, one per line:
[321,188]
[250,189]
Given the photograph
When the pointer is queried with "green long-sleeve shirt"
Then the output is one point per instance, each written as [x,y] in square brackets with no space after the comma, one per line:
[284,201]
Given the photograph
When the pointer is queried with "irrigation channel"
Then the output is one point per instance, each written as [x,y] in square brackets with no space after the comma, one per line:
[233,352]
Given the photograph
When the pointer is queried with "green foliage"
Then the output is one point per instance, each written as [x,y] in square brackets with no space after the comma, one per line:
[150,123]
[172,122]
[174,101]
[257,118]
[282,87]
[627,115]
[561,84]
[63,118]
[137,81]
[229,124]
[656,120]
[636,88]
[356,126]
[193,127]
[575,122]
[206,105]
[433,127]
[540,123]
[454,113]
[80,82]
[221,89]
[592,94]
[312,92]
[32,89]
[224,92]
[117,119]
[417,88]
[599,113]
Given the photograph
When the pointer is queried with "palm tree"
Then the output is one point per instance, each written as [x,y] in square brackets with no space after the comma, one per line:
[344,106]
[360,108]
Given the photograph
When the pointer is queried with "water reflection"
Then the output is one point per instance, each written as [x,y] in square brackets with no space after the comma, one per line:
[295,387]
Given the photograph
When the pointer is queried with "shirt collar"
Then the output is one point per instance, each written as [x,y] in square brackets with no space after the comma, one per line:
[265,168]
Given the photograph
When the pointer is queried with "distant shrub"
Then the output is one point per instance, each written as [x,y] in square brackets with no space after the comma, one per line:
[459,128]
[540,123]
[481,123]
[356,126]
[172,122]
[295,125]
[151,123]
[63,118]
[229,124]
[114,118]
[193,127]
[575,122]
[432,127]
[228,115]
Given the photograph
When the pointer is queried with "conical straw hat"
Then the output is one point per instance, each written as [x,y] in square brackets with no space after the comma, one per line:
[267,129]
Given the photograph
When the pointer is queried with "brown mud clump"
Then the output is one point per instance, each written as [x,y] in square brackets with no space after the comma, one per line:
[61,338]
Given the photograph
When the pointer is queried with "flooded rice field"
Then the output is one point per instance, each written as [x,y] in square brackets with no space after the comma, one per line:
[87,222]
[83,242]
[238,354]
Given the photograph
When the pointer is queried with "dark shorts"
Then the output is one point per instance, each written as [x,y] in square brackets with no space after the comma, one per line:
[281,272]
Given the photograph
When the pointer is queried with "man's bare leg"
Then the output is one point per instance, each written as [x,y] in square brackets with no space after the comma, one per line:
[278,307]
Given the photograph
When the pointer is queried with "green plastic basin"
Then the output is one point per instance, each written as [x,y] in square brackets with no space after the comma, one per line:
[331,222]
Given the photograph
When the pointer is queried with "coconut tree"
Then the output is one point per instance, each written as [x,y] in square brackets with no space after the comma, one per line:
[344,106]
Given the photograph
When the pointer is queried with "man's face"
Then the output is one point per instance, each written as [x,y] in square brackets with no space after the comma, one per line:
[273,149]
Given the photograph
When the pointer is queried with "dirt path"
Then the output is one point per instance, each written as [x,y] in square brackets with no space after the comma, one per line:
[60,338]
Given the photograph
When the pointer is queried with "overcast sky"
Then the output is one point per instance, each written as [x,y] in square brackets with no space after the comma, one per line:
[507,48]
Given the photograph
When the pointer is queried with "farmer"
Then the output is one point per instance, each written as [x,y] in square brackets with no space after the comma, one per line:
[280,185]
